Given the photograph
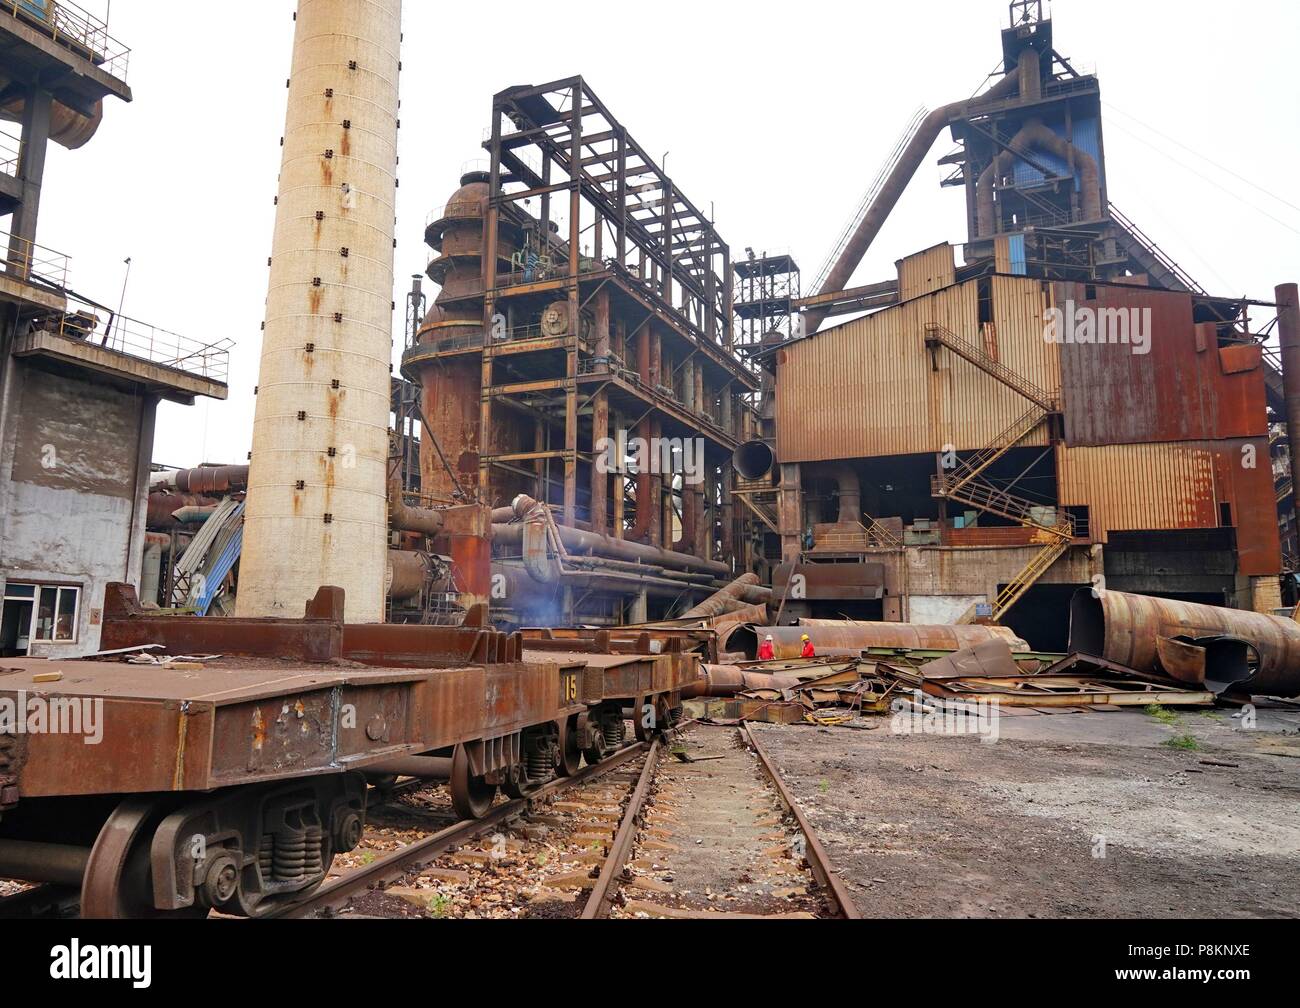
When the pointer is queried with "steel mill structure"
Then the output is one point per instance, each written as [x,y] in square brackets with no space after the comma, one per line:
[1064,407]
[585,309]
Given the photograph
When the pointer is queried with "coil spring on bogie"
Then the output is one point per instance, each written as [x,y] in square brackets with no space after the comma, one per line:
[614,730]
[266,856]
[290,855]
[315,862]
[540,763]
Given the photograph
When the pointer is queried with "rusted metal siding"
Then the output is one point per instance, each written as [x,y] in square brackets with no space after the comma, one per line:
[926,272]
[870,387]
[1177,485]
[1144,486]
[1183,389]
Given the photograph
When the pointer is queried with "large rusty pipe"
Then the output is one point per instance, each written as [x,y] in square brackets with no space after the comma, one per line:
[848,491]
[908,163]
[840,637]
[210,480]
[728,680]
[598,545]
[404,518]
[1288,333]
[1127,629]
[716,604]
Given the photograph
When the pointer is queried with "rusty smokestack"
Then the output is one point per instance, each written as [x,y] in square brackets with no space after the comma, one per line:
[317,508]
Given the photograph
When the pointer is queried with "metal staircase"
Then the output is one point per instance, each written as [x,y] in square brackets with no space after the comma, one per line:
[964,485]
[936,336]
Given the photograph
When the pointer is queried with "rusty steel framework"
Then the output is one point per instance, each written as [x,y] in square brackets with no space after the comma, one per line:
[586,306]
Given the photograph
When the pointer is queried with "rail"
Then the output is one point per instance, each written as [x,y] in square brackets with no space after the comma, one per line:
[1155,251]
[937,335]
[11,148]
[74,28]
[818,860]
[335,895]
[999,502]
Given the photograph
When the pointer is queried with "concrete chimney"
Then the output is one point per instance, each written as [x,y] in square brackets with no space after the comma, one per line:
[317,506]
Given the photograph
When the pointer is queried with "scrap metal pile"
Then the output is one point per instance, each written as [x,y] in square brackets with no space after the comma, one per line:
[1124,650]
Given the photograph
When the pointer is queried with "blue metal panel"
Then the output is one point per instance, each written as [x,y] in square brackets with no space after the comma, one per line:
[1016,246]
[1086,134]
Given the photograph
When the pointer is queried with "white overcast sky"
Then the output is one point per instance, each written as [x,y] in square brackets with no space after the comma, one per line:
[776,114]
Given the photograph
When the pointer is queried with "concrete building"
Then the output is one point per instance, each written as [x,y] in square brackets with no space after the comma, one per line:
[79,385]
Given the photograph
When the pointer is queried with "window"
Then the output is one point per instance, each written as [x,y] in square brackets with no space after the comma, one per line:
[53,614]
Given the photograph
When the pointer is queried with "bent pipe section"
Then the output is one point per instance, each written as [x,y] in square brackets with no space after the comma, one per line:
[1127,629]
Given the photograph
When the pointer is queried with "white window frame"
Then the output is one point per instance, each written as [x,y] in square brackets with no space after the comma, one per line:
[59,589]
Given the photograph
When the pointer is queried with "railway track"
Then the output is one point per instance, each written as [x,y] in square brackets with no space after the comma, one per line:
[700,842]
[684,826]
[336,895]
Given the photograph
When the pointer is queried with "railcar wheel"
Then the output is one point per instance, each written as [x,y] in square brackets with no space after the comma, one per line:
[570,754]
[118,884]
[470,796]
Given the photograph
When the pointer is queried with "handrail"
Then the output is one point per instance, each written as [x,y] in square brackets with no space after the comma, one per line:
[999,502]
[25,260]
[73,28]
[975,355]
[1156,251]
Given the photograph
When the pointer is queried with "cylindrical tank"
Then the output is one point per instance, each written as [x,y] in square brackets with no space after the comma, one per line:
[317,510]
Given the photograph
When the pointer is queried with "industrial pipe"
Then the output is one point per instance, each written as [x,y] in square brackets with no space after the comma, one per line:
[1288,333]
[716,604]
[840,637]
[1035,134]
[404,518]
[848,490]
[753,460]
[208,480]
[908,163]
[598,545]
[1128,629]
[728,680]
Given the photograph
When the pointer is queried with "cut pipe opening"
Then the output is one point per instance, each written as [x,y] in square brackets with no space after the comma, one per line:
[753,460]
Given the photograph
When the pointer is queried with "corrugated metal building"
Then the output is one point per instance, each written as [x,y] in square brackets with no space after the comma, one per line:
[1160,428]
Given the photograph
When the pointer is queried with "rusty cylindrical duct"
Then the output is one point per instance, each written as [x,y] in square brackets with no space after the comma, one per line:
[317,508]
[912,157]
[727,681]
[839,637]
[753,460]
[1127,629]
[717,603]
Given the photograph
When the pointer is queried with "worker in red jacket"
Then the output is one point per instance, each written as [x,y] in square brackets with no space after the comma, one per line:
[766,650]
[808,650]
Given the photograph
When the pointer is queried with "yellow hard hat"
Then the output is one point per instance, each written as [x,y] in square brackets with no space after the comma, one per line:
[805,637]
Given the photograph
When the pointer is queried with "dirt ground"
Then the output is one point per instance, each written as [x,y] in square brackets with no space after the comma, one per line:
[1065,815]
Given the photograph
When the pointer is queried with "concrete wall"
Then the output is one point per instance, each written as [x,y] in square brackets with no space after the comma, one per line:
[938,580]
[74,466]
